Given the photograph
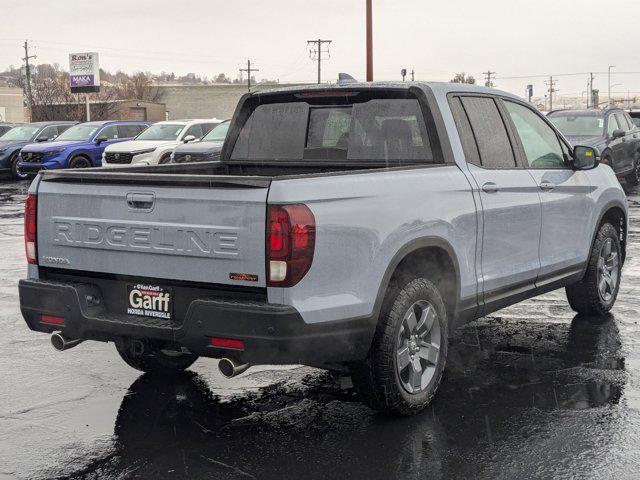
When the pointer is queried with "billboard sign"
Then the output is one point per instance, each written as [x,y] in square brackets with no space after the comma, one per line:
[84,72]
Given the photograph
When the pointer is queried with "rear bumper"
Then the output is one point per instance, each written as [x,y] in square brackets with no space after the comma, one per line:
[272,334]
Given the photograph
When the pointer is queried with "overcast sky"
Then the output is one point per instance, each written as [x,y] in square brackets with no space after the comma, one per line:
[435,38]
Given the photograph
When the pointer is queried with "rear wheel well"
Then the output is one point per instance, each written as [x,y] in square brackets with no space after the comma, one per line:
[615,216]
[434,264]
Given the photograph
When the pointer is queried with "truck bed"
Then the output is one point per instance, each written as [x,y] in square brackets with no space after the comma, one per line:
[250,174]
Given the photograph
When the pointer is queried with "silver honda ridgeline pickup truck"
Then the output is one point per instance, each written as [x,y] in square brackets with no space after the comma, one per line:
[347,227]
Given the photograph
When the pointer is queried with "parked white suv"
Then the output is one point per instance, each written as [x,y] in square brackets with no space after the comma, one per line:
[155,144]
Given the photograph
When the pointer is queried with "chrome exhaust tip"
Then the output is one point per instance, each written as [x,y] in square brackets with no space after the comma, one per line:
[230,367]
[61,343]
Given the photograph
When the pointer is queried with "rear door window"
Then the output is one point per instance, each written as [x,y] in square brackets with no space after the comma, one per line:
[375,130]
[128,131]
[490,132]
[465,132]
[612,125]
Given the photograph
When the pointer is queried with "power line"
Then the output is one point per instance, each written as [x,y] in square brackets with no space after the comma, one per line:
[248,70]
[315,53]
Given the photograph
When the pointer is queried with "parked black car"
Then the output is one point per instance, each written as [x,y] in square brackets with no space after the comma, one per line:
[205,150]
[611,131]
[5,127]
[635,117]
[13,140]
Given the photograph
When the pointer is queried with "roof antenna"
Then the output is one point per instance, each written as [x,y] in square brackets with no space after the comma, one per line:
[344,78]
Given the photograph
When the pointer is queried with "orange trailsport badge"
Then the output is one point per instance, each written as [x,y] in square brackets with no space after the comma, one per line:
[246,277]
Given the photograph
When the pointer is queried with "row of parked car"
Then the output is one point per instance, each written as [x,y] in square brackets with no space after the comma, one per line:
[27,149]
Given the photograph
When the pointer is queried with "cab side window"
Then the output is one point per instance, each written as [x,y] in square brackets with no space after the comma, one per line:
[541,145]
[490,132]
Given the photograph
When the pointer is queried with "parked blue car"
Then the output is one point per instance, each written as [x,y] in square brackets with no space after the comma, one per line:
[81,146]
[12,141]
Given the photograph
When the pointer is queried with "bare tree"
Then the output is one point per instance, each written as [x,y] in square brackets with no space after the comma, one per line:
[138,87]
[463,78]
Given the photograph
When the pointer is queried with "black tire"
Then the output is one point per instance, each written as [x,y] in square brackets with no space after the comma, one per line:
[15,171]
[148,356]
[80,162]
[379,379]
[633,178]
[586,297]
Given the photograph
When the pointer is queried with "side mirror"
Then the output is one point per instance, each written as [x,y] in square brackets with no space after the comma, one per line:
[189,138]
[42,139]
[618,133]
[585,158]
[99,140]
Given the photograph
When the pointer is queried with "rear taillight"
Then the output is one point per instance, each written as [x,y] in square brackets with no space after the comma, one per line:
[30,241]
[291,239]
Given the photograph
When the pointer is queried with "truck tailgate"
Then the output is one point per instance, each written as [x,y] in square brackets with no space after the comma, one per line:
[211,233]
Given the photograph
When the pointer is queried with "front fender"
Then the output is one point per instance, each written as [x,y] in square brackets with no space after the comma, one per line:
[85,152]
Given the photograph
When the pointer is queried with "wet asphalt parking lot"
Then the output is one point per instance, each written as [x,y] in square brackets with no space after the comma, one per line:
[529,392]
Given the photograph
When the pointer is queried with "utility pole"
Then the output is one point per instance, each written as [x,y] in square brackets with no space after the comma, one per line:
[413,75]
[27,70]
[551,84]
[369,42]
[590,93]
[609,84]
[488,82]
[316,53]
[248,70]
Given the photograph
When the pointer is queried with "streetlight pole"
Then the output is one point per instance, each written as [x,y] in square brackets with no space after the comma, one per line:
[369,43]
[609,82]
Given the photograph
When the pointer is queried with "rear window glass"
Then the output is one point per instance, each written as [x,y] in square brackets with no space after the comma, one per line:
[378,130]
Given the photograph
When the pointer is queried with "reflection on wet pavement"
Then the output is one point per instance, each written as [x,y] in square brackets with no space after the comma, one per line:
[532,391]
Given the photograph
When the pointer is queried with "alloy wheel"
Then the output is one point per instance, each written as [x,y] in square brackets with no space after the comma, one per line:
[418,347]
[608,270]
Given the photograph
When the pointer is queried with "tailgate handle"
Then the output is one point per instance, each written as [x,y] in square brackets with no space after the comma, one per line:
[142,201]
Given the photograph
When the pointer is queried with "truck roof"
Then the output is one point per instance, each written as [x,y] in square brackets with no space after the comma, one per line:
[440,88]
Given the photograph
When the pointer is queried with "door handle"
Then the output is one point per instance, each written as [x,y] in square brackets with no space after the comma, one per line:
[142,201]
[490,187]
[547,186]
